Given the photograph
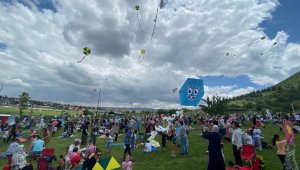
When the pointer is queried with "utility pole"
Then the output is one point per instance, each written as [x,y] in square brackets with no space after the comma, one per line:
[99,102]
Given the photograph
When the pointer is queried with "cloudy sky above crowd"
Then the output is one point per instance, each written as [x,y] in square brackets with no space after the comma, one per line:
[41,42]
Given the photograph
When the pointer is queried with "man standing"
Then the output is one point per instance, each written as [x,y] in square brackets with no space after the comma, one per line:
[85,133]
[237,143]
[183,139]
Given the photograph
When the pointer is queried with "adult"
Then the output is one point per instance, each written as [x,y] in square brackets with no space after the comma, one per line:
[76,144]
[85,133]
[12,133]
[91,160]
[46,135]
[237,143]
[127,142]
[215,160]
[281,151]
[19,160]
[183,138]
[37,147]
[12,148]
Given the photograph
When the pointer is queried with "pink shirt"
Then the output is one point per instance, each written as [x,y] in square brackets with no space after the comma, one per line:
[128,164]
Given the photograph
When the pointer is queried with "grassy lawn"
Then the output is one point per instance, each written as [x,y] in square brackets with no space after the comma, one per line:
[36,111]
[196,160]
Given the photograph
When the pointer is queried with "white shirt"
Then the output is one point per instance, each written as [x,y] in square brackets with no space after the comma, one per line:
[256,133]
[148,147]
[297,117]
[249,139]
[237,137]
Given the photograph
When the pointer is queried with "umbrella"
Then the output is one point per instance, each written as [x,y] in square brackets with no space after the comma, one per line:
[191,92]
[108,163]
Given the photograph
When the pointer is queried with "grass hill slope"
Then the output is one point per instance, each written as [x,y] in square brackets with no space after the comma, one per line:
[281,97]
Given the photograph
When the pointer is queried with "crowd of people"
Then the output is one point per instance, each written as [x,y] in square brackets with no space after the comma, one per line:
[83,153]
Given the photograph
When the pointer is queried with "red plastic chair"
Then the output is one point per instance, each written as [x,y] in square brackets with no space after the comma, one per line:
[248,152]
[42,164]
[244,167]
[48,152]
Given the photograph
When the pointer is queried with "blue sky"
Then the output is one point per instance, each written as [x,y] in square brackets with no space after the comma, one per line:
[3,46]
[241,81]
[285,18]
[41,4]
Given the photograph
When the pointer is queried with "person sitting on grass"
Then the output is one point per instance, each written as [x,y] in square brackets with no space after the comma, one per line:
[37,147]
[19,160]
[76,143]
[12,148]
[127,163]
[148,147]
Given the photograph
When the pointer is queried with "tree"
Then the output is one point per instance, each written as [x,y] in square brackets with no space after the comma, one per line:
[86,112]
[215,105]
[24,100]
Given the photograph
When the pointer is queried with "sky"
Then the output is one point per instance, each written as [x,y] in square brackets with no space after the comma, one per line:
[234,46]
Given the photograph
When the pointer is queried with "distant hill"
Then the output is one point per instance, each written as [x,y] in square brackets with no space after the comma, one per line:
[278,98]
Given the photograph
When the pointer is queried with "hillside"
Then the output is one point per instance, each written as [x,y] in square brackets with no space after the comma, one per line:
[279,97]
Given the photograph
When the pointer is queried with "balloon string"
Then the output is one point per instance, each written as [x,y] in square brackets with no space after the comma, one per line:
[154,24]
[138,19]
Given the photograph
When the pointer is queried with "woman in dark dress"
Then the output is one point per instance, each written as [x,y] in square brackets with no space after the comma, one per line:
[216,161]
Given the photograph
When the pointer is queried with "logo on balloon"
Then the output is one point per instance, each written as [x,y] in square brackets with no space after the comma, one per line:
[192,93]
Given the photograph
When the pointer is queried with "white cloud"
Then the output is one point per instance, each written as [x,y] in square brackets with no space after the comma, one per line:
[191,38]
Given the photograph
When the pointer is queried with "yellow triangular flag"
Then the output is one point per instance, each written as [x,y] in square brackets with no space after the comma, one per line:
[97,166]
[113,164]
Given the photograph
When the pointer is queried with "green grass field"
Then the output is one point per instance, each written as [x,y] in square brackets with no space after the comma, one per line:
[196,160]
[36,111]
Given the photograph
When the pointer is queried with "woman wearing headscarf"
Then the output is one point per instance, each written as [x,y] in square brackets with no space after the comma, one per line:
[216,160]
[19,160]
[76,144]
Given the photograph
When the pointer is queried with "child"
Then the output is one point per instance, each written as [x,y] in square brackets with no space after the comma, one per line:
[108,143]
[148,147]
[127,164]
[163,140]
[257,137]
[61,163]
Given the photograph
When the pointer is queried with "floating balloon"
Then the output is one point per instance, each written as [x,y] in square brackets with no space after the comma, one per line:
[86,52]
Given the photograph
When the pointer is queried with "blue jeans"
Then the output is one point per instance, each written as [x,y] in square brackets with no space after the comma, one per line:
[183,141]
